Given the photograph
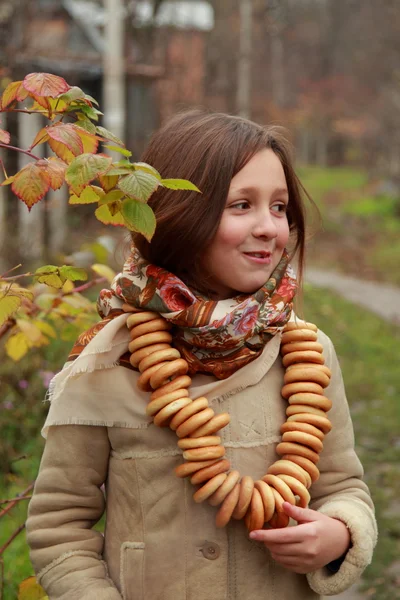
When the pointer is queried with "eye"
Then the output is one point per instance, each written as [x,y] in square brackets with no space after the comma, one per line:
[280,207]
[240,205]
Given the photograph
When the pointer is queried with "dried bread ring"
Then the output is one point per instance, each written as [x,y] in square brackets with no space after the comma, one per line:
[306,427]
[274,482]
[143,382]
[300,437]
[294,409]
[188,468]
[299,346]
[181,382]
[294,325]
[226,509]
[255,518]
[215,424]
[219,496]
[322,423]
[209,488]
[305,463]
[203,442]
[194,422]
[157,357]
[298,489]
[158,404]
[206,453]
[245,494]
[299,335]
[267,498]
[279,519]
[306,374]
[150,327]
[303,355]
[137,356]
[287,448]
[128,308]
[164,415]
[141,317]
[174,368]
[158,337]
[184,414]
[287,467]
[306,365]
[206,473]
[301,386]
[315,400]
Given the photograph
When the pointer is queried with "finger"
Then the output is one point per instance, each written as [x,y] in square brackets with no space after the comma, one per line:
[299,514]
[289,535]
[286,550]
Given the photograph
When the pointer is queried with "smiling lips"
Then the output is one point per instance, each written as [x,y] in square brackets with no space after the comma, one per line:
[261,257]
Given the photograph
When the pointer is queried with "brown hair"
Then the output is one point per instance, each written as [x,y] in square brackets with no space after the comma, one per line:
[208,149]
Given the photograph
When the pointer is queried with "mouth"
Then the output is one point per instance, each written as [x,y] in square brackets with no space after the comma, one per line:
[261,257]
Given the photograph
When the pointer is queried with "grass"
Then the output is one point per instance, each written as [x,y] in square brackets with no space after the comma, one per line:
[367,348]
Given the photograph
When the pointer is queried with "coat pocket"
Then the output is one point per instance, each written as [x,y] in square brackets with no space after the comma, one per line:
[132,563]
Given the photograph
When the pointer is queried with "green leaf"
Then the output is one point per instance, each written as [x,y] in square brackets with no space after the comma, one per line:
[89,195]
[139,217]
[141,166]
[103,214]
[85,168]
[49,275]
[107,135]
[90,112]
[91,99]
[122,151]
[139,185]
[112,196]
[74,93]
[73,273]
[8,306]
[179,184]
[85,124]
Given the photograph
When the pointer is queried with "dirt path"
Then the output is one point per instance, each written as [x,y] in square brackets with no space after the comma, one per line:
[382,299]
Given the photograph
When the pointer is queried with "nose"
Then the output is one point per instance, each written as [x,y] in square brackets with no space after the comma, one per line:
[264,225]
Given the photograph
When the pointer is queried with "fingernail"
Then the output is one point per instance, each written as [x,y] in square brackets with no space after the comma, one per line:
[252,535]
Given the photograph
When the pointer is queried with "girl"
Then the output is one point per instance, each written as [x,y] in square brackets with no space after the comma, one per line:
[217,271]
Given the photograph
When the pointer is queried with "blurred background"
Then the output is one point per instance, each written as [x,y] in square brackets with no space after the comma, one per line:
[326,70]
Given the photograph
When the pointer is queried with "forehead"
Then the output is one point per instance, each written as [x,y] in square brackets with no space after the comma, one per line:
[264,170]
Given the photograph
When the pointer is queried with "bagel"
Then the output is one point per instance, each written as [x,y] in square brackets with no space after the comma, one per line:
[301,386]
[209,488]
[206,453]
[300,437]
[315,400]
[187,412]
[181,382]
[301,356]
[215,424]
[294,409]
[219,496]
[204,474]
[305,463]
[267,498]
[158,337]
[143,382]
[156,405]
[306,365]
[150,327]
[287,448]
[314,374]
[203,442]
[141,317]
[322,423]
[298,489]
[295,325]
[245,494]
[226,509]
[305,427]
[161,419]
[274,482]
[299,335]
[137,356]
[171,369]
[194,422]
[287,467]
[299,346]
[159,356]
[188,468]
[254,518]
[279,519]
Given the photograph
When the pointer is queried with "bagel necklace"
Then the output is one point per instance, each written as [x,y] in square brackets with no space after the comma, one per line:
[164,373]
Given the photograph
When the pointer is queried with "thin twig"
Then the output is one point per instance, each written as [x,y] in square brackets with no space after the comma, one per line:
[12,538]
[20,150]
[16,276]
[86,286]
[16,499]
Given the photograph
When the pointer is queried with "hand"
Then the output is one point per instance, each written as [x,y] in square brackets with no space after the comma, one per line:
[308,546]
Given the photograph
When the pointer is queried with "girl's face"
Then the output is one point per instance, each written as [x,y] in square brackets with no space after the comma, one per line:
[254,228]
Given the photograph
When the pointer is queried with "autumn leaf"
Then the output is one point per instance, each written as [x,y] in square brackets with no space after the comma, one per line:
[54,170]
[5,137]
[107,135]
[66,134]
[45,328]
[104,271]
[179,184]
[31,331]
[139,185]
[110,197]
[49,274]
[103,214]
[122,151]
[139,217]
[40,137]
[45,84]
[9,305]
[30,184]
[29,589]
[85,168]
[89,141]
[16,347]
[88,196]
[73,273]
[74,93]
[8,180]
[108,182]
[86,124]
[14,91]
[141,166]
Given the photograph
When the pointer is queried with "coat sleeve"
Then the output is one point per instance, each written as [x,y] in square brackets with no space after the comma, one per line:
[340,491]
[65,551]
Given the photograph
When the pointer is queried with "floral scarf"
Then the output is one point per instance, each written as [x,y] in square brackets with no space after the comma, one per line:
[214,337]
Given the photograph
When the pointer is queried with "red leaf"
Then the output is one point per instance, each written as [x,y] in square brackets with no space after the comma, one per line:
[54,170]
[5,137]
[66,134]
[61,150]
[14,91]
[30,184]
[45,84]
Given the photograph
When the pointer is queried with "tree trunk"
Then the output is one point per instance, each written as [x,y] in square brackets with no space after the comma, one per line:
[244,62]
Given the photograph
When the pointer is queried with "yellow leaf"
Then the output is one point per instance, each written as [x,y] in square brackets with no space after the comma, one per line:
[8,305]
[29,589]
[17,346]
[103,214]
[88,196]
[46,328]
[68,287]
[51,279]
[104,271]
[30,330]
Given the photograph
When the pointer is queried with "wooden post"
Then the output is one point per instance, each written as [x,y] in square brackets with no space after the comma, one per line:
[244,63]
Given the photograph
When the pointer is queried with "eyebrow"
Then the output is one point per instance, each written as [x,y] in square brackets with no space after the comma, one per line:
[250,189]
